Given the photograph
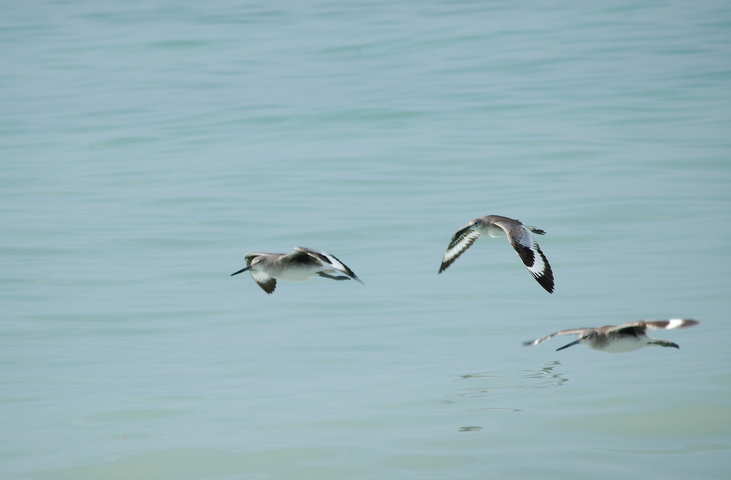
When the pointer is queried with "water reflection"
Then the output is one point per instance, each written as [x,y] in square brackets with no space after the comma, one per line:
[492,383]
[470,429]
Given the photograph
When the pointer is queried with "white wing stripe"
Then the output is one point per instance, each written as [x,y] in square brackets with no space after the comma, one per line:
[335,263]
[461,246]
[675,323]
[259,276]
[538,266]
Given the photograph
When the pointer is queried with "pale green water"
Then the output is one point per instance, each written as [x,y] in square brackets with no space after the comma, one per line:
[147,146]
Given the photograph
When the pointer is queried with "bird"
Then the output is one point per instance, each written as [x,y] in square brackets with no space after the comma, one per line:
[624,338]
[299,265]
[520,237]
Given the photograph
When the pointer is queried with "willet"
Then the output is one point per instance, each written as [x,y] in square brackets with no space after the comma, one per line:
[520,236]
[624,338]
[298,266]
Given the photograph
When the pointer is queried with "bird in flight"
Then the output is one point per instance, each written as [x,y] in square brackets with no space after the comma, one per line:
[520,237]
[299,265]
[624,338]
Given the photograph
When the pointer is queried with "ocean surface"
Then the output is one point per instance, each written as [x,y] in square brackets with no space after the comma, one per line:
[147,146]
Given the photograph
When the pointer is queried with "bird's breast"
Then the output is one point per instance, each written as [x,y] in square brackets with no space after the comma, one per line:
[294,272]
[493,231]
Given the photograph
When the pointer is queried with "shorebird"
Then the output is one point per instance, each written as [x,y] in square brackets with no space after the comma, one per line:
[520,236]
[624,338]
[298,266]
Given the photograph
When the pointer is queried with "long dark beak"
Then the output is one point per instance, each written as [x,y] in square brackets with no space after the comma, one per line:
[569,345]
[242,270]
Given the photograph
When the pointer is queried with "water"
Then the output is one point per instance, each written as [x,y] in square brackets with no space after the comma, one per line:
[147,146]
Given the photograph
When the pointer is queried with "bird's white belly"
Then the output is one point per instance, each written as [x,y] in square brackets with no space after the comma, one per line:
[296,274]
[493,231]
[627,344]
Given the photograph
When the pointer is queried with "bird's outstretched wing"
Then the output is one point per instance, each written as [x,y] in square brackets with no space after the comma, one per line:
[328,260]
[671,324]
[530,253]
[573,331]
[461,241]
[267,283]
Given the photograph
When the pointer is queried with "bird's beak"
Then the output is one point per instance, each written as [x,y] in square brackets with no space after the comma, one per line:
[569,345]
[242,270]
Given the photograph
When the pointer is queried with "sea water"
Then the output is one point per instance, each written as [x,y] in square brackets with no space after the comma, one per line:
[146,147]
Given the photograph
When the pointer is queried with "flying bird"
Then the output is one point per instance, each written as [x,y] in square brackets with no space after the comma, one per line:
[624,338]
[520,237]
[299,265]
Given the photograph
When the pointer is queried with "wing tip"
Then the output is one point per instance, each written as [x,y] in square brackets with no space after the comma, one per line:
[545,278]
[268,286]
[546,283]
[674,323]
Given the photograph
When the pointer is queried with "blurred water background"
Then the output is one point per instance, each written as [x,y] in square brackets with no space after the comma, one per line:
[145,147]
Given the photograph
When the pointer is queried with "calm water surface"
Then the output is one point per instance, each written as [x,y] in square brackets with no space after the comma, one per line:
[145,147]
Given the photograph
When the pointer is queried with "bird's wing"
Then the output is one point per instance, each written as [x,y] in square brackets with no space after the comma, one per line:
[327,260]
[573,331]
[671,324]
[461,241]
[301,255]
[530,253]
[267,283]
